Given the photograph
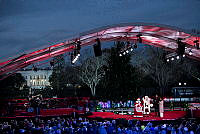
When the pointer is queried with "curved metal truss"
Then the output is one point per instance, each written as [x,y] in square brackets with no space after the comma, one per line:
[162,36]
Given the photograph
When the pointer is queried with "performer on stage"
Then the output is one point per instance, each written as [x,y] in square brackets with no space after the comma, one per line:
[35,102]
[138,112]
[161,107]
[156,105]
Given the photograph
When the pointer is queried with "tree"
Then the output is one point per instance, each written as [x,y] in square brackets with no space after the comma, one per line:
[163,73]
[121,79]
[13,82]
[91,72]
[12,86]
[57,79]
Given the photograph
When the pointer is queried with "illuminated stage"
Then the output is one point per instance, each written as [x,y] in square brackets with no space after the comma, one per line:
[168,115]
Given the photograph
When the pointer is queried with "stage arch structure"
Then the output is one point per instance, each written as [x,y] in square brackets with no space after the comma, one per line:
[162,36]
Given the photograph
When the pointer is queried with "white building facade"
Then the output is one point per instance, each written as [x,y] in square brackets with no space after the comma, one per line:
[36,79]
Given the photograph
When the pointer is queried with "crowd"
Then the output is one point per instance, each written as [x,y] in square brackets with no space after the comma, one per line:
[80,125]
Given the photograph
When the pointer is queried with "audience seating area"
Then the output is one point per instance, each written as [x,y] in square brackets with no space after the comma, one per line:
[69,125]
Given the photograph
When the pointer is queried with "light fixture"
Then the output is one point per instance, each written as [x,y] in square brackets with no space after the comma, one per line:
[179,84]
[185,84]
[135,45]
[97,48]
[177,57]
[181,47]
[196,42]
[190,52]
[183,55]
[172,58]
[139,38]
[167,60]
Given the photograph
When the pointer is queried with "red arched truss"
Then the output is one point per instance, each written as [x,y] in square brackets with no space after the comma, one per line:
[158,35]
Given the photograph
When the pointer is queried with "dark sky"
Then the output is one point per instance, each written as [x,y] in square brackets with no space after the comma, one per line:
[27,25]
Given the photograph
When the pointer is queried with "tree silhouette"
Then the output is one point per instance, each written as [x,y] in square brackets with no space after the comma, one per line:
[91,72]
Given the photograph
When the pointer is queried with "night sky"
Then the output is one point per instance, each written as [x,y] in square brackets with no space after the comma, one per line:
[27,25]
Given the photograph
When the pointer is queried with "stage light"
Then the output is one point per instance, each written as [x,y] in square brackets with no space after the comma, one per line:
[72,58]
[78,45]
[131,49]
[135,45]
[139,38]
[126,51]
[120,55]
[181,47]
[35,69]
[51,63]
[128,44]
[196,43]
[183,55]
[190,52]
[177,57]
[172,58]
[97,48]
[167,60]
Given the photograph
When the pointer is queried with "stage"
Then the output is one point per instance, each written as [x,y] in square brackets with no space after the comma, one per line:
[168,115]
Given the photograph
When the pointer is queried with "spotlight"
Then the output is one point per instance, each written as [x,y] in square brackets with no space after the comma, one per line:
[181,47]
[167,60]
[97,48]
[35,69]
[131,49]
[139,38]
[179,84]
[126,51]
[172,58]
[135,45]
[51,63]
[177,57]
[128,44]
[120,55]
[196,43]
[78,45]
[72,58]
[183,55]
[190,53]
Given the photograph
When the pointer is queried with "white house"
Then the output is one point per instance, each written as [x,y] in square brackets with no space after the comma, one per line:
[36,79]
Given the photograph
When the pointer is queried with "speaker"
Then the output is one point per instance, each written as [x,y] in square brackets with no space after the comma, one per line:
[97,48]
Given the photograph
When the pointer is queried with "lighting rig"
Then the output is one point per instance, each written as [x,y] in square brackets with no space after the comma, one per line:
[128,48]
[180,52]
[76,53]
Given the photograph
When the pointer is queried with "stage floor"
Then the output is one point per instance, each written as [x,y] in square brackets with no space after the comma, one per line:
[168,115]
